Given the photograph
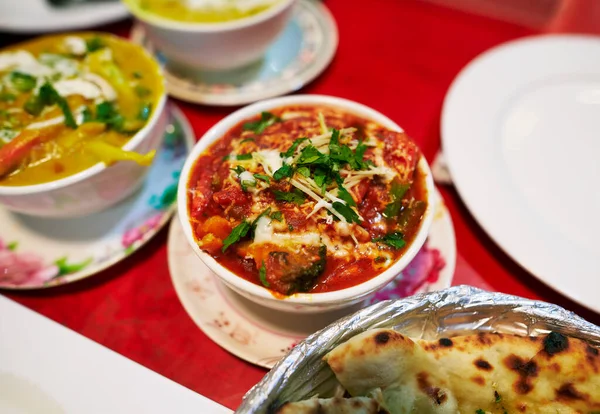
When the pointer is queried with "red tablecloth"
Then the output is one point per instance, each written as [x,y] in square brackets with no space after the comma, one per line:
[398,57]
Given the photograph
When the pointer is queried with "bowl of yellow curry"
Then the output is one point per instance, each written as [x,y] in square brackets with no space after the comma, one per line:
[211,34]
[81,117]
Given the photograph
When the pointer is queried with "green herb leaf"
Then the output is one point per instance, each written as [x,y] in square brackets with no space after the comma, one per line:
[23,82]
[238,169]
[87,114]
[311,155]
[303,171]
[395,240]
[296,196]
[262,274]
[8,97]
[263,177]
[283,172]
[107,113]
[242,157]
[479,411]
[345,195]
[292,149]
[277,216]
[266,119]
[239,231]
[346,211]
[497,397]
[142,91]
[247,140]
[397,192]
[255,222]
[137,75]
[94,43]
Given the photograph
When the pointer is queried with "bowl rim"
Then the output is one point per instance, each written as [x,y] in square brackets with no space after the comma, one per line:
[165,23]
[133,142]
[316,299]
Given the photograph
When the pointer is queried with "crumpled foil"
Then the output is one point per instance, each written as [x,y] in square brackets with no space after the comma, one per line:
[455,311]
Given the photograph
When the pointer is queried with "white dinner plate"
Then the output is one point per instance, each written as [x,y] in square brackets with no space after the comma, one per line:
[40,16]
[521,134]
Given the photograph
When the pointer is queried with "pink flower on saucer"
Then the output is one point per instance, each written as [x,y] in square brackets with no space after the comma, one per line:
[136,234]
[23,269]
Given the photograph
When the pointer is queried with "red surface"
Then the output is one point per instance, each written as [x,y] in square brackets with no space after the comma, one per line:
[400,60]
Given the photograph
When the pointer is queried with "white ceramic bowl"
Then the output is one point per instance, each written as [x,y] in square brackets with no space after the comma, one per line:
[93,189]
[299,302]
[214,46]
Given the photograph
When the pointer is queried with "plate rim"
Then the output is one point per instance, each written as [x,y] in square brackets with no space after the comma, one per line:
[245,352]
[284,87]
[123,254]
[463,189]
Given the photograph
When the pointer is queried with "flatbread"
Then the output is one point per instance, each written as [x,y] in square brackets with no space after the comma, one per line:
[482,373]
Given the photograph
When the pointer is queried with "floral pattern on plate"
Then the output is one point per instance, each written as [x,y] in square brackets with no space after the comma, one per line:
[39,252]
[261,336]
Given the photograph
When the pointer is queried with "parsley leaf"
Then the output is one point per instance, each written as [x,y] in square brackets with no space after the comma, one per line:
[479,411]
[395,240]
[277,216]
[238,169]
[241,157]
[263,177]
[303,171]
[346,211]
[247,140]
[292,149]
[311,155]
[239,231]
[262,274]
[87,115]
[107,113]
[23,82]
[285,171]
[397,192]
[94,43]
[266,119]
[345,195]
[296,196]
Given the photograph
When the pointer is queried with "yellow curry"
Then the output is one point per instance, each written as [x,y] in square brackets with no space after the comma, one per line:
[68,102]
[202,11]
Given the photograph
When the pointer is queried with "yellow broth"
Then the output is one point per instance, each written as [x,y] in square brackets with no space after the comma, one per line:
[179,10]
[127,83]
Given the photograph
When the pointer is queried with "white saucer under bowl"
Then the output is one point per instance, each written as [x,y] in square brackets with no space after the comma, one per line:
[304,49]
[40,252]
[261,336]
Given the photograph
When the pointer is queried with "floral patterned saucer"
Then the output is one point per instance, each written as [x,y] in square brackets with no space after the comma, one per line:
[304,49]
[40,252]
[261,336]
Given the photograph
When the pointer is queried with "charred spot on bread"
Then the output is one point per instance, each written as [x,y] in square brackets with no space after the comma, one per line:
[568,392]
[483,364]
[446,342]
[555,343]
[382,338]
[435,393]
[479,380]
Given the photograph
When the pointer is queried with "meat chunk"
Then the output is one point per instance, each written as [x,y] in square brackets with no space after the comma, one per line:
[289,272]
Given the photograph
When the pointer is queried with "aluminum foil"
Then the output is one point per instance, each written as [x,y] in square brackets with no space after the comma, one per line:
[455,311]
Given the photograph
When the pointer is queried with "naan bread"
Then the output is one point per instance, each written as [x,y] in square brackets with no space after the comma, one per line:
[483,373]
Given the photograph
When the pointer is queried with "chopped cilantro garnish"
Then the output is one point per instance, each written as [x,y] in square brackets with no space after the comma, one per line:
[497,397]
[311,155]
[283,172]
[263,177]
[290,227]
[255,222]
[277,216]
[238,169]
[87,114]
[47,95]
[8,97]
[23,82]
[397,192]
[292,149]
[295,196]
[262,274]
[303,171]
[479,411]
[345,195]
[395,240]
[142,91]
[94,43]
[239,231]
[107,113]
[266,119]
[242,157]
[349,214]
[247,140]
[137,75]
